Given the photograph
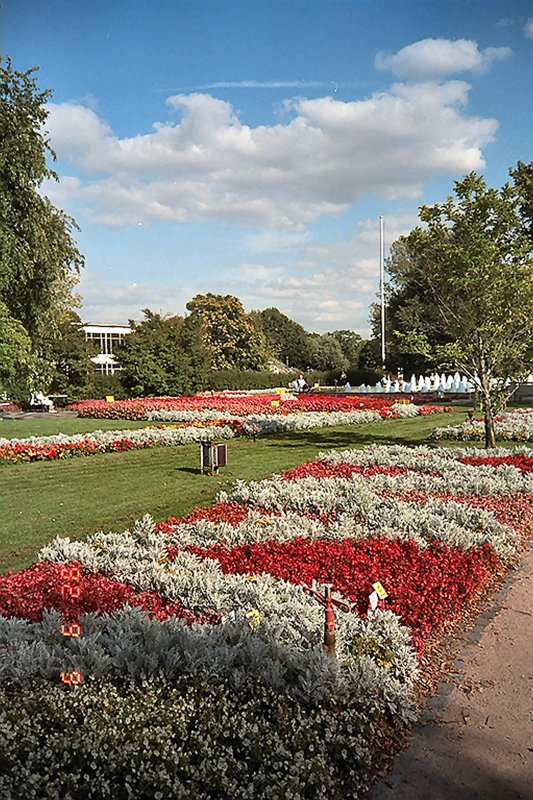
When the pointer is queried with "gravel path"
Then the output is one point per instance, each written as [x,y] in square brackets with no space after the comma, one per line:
[475,739]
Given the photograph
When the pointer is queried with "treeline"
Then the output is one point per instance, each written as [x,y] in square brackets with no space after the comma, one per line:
[217,345]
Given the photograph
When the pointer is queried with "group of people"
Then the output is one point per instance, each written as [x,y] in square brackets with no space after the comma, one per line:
[40,399]
[299,385]
[388,379]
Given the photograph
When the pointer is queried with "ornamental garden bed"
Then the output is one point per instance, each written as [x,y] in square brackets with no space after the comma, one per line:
[241,404]
[171,427]
[192,649]
[512,426]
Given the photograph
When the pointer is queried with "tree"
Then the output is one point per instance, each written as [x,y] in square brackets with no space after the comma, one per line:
[16,360]
[328,355]
[471,274]
[286,339]
[39,261]
[370,356]
[407,302]
[350,343]
[523,182]
[70,355]
[228,333]
[162,356]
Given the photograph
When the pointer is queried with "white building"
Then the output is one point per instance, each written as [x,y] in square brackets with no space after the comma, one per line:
[106,337]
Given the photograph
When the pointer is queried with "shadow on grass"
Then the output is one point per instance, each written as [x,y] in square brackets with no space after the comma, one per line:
[334,439]
[190,470]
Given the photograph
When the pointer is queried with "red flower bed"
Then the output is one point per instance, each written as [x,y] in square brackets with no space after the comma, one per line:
[10,407]
[243,405]
[13,453]
[233,513]
[425,410]
[522,462]
[44,586]
[324,469]
[426,587]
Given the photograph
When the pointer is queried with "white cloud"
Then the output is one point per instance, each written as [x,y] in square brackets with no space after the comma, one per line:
[504,22]
[288,84]
[272,241]
[433,59]
[528,28]
[210,165]
[324,286]
[107,301]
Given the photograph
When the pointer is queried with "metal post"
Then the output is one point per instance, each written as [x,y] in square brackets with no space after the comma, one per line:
[329,623]
[382,289]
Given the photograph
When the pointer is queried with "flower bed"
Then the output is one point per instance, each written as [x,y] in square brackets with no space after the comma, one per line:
[10,407]
[60,446]
[241,405]
[513,426]
[391,514]
[41,587]
[186,426]
[222,595]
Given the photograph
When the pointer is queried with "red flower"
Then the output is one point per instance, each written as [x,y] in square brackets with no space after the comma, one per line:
[426,587]
[44,586]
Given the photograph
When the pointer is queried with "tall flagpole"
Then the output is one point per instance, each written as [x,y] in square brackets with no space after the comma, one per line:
[382,289]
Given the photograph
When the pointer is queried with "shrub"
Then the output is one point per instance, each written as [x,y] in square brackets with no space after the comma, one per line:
[246,379]
[191,739]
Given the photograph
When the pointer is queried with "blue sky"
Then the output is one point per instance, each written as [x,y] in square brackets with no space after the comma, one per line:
[249,147]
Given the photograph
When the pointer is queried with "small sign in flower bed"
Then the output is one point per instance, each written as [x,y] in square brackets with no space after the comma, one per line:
[512,426]
[221,611]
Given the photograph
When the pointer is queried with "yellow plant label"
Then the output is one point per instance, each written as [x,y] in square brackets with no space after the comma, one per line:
[109,398]
[255,617]
[382,594]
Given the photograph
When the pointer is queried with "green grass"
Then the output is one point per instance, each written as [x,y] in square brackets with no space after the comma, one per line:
[41,500]
[49,424]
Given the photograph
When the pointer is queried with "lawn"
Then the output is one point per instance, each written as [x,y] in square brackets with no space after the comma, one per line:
[39,501]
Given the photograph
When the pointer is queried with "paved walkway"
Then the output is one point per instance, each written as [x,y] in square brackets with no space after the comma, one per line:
[475,739]
[36,414]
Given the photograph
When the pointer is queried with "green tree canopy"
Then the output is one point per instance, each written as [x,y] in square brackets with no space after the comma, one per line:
[350,343]
[39,261]
[162,356]
[70,356]
[228,333]
[16,360]
[286,339]
[523,181]
[470,274]
[328,355]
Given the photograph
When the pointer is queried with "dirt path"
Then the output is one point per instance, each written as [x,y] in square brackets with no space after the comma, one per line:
[475,739]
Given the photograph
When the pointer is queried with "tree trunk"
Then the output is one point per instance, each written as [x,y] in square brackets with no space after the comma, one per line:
[490,433]
[485,380]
